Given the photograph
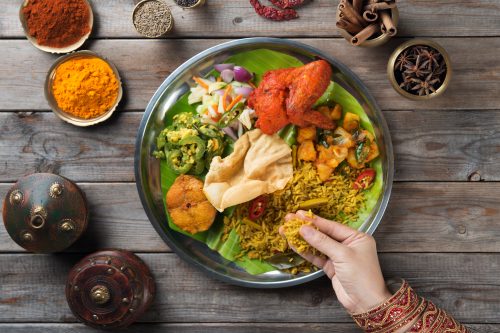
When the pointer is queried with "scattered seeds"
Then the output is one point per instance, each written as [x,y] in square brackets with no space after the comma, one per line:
[153,18]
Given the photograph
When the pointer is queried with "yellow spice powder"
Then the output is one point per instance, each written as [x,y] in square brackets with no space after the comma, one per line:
[85,87]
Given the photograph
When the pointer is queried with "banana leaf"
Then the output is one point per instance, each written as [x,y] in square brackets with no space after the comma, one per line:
[259,61]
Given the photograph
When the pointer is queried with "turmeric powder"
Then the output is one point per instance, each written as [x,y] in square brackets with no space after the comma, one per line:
[85,87]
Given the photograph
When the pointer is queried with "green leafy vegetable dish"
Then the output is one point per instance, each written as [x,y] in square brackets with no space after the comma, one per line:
[272,136]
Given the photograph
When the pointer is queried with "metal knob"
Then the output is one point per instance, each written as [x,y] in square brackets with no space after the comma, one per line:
[100,295]
[55,190]
[67,225]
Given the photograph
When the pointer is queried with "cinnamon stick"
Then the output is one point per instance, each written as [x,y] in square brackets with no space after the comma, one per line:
[349,27]
[387,26]
[370,16]
[364,34]
[380,6]
[357,5]
[350,14]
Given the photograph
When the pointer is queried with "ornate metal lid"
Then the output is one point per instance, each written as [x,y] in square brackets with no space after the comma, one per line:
[45,213]
[110,289]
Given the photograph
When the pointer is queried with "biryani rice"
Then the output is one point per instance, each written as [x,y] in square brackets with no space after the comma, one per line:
[260,239]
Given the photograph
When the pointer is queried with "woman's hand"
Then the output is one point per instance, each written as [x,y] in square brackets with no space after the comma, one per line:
[351,262]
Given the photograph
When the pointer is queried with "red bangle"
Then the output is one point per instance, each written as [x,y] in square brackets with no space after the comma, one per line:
[402,309]
[394,312]
[427,320]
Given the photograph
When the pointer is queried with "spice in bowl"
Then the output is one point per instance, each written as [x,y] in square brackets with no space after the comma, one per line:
[57,24]
[189,3]
[367,22]
[85,87]
[419,69]
[152,18]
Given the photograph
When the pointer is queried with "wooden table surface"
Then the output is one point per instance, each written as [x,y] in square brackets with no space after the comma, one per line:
[441,230]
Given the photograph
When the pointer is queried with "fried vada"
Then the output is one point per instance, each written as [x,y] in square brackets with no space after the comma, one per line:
[188,206]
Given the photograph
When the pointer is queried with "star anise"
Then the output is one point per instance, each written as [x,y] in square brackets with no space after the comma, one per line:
[431,58]
[425,86]
[407,82]
[416,68]
[404,59]
[421,70]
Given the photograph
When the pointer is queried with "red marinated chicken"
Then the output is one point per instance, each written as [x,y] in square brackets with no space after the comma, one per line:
[287,96]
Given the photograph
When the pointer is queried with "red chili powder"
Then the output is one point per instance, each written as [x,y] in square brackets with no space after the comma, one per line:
[57,23]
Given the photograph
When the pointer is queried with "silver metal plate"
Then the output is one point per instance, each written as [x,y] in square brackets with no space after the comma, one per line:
[147,171]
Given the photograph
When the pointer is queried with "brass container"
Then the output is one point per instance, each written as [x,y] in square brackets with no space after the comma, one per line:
[374,42]
[49,49]
[169,28]
[404,46]
[110,289]
[49,93]
[45,213]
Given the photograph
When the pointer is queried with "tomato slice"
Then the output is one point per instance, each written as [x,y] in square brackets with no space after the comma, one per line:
[257,207]
[365,179]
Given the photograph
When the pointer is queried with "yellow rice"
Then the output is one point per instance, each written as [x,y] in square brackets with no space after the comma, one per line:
[291,230]
[260,239]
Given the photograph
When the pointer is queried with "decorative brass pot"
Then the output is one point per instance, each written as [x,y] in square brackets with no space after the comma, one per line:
[109,289]
[413,42]
[45,213]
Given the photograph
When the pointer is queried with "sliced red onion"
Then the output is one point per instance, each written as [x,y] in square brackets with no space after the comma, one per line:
[211,79]
[220,67]
[229,131]
[245,91]
[241,74]
[219,92]
[227,75]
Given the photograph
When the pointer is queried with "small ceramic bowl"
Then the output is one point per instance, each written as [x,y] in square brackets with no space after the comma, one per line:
[168,29]
[199,3]
[372,42]
[49,96]
[58,50]
[404,46]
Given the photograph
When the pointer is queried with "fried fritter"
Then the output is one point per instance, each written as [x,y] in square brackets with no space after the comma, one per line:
[188,206]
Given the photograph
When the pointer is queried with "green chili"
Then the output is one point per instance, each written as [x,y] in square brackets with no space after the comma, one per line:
[200,146]
[174,161]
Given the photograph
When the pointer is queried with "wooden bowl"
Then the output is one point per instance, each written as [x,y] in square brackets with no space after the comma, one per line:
[57,50]
[372,42]
[49,96]
[404,46]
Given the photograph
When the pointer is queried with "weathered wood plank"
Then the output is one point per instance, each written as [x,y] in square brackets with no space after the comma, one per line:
[144,64]
[422,217]
[429,146]
[32,289]
[220,18]
[219,328]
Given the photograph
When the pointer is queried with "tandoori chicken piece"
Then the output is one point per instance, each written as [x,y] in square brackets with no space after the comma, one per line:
[307,85]
[268,101]
[287,95]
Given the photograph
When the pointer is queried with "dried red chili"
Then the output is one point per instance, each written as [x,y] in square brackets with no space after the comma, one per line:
[287,3]
[272,13]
